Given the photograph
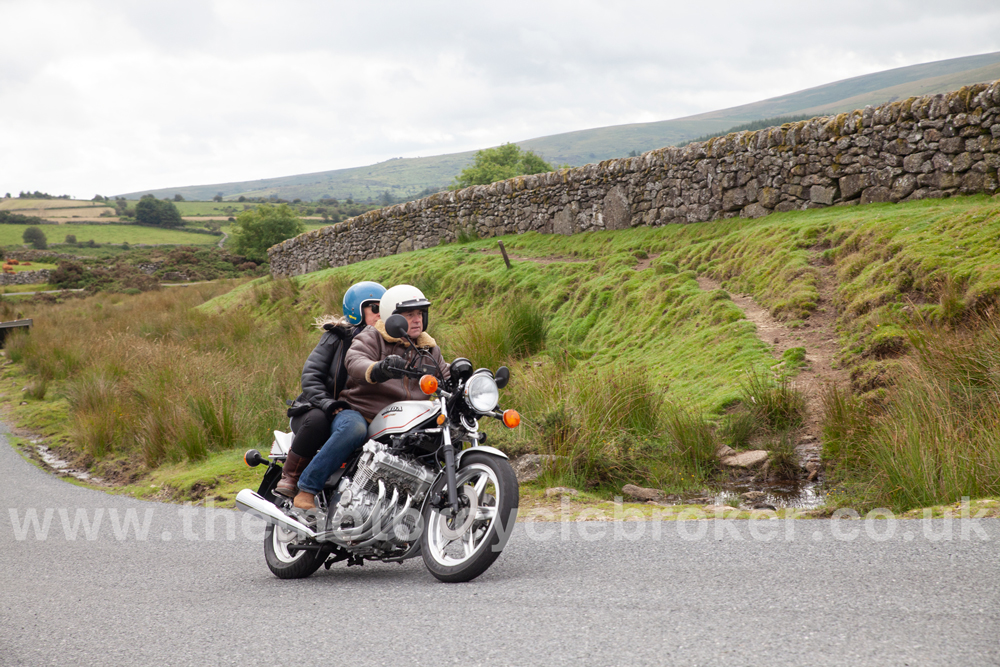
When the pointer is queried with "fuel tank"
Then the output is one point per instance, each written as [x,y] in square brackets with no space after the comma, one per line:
[401,416]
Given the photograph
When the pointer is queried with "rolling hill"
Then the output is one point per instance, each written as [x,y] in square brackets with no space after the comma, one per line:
[405,178]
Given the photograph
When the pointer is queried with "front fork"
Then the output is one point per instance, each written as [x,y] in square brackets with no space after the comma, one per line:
[449,462]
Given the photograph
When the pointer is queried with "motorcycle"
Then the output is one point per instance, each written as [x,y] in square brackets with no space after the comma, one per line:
[424,484]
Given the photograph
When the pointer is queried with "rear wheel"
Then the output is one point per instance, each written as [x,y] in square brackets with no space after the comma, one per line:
[286,564]
[461,548]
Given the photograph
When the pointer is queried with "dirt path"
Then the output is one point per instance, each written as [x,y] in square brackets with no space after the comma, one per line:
[818,336]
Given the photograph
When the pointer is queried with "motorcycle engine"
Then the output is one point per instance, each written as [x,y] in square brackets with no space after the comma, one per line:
[357,496]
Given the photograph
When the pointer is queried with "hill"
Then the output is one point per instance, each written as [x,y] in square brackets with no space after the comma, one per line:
[406,178]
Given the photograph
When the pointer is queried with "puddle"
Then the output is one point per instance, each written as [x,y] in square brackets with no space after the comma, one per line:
[60,466]
[801,495]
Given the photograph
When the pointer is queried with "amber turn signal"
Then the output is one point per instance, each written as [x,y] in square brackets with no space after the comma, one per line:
[428,384]
[511,419]
[440,420]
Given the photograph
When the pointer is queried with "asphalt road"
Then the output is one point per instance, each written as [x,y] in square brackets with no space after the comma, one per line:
[681,593]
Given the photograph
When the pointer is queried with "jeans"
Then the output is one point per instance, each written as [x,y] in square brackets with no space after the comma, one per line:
[349,431]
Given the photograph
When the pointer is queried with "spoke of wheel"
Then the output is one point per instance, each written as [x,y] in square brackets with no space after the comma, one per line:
[467,544]
[486,512]
[481,485]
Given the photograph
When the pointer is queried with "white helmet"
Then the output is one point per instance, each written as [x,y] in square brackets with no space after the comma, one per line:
[402,298]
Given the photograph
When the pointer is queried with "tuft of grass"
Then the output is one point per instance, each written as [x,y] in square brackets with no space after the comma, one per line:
[467,235]
[491,341]
[37,388]
[619,399]
[777,403]
[693,440]
[783,462]
[738,427]
[793,358]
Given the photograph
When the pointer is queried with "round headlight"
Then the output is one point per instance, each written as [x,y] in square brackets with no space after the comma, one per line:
[481,393]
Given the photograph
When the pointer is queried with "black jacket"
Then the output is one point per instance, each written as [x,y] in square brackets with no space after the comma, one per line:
[324,374]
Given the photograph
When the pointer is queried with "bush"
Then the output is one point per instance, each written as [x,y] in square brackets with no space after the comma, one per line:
[161,213]
[258,229]
[36,238]
[500,163]
[70,239]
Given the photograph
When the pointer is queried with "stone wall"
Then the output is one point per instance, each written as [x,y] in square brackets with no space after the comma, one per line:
[25,277]
[932,146]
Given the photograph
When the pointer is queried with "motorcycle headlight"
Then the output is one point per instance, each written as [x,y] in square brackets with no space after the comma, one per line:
[481,393]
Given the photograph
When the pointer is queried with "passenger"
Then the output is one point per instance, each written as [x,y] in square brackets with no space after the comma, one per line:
[323,377]
[374,381]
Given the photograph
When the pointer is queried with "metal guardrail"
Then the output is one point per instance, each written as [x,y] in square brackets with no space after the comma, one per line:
[6,327]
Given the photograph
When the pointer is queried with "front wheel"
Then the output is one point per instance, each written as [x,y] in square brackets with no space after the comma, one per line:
[461,548]
[286,564]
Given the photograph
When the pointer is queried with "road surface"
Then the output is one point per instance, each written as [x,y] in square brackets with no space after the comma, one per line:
[188,586]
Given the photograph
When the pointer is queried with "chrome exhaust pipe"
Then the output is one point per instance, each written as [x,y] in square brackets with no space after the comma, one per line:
[252,503]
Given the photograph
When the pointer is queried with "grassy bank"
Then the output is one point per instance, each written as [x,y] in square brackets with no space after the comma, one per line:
[934,435]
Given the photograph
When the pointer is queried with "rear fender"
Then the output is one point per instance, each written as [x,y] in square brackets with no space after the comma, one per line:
[271,477]
[282,445]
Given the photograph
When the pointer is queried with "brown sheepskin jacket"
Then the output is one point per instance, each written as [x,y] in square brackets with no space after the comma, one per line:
[372,346]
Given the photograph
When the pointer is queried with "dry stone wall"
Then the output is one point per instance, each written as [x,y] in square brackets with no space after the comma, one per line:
[25,277]
[923,147]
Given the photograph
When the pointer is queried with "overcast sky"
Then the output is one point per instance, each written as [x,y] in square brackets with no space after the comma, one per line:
[111,96]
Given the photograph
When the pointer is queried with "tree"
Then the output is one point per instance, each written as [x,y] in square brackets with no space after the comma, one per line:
[152,211]
[258,229]
[498,164]
[217,198]
[178,197]
[36,238]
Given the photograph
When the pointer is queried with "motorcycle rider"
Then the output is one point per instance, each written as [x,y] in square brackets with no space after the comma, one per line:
[373,363]
[323,378]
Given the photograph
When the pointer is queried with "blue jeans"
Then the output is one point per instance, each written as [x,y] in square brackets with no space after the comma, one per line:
[348,432]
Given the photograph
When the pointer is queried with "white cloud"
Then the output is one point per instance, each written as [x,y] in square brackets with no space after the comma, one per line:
[116,95]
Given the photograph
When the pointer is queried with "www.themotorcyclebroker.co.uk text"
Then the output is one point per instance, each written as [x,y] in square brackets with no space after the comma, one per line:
[208,523]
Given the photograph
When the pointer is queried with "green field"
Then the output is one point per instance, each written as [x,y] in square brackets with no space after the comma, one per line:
[11,235]
[32,266]
[196,208]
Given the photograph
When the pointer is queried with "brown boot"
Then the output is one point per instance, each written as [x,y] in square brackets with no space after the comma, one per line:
[294,465]
[305,501]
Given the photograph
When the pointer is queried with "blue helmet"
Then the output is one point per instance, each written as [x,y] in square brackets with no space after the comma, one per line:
[357,296]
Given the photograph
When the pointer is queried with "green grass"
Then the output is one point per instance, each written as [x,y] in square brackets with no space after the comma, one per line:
[15,289]
[11,235]
[212,208]
[33,266]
